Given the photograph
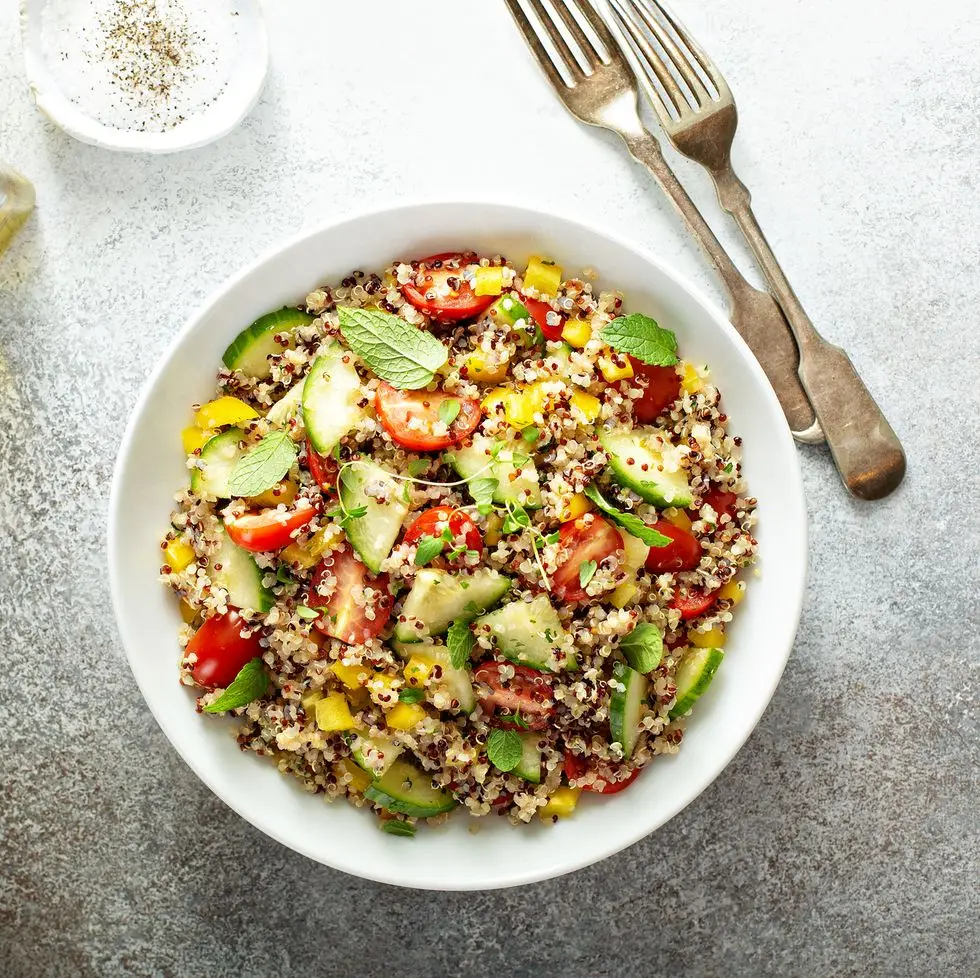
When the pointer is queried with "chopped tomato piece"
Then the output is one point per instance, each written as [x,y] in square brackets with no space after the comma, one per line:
[724,503]
[434,521]
[539,313]
[323,468]
[221,650]
[345,612]
[411,417]
[693,603]
[445,295]
[269,529]
[661,386]
[682,553]
[527,695]
[590,537]
[576,767]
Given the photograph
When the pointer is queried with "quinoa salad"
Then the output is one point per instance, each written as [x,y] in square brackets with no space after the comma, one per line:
[462,534]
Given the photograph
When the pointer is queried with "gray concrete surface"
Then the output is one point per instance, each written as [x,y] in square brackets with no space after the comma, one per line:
[843,838]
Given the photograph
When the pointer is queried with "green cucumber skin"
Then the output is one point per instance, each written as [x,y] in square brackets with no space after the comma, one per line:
[216,482]
[330,414]
[660,489]
[693,677]
[518,630]
[625,706]
[416,801]
[360,760]
[529,766]
[374,534]
[468,461]
[241,577]
[250,349]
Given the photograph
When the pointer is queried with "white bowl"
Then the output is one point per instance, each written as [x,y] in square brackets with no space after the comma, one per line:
[150,468]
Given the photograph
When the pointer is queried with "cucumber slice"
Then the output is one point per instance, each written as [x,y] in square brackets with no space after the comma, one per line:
[693,677]
[453,684]
[625,707]
[373,534]
[218,458]
[634,463]
[529,766]
[438,598]
[250,350]
[529,632]
[510,312]
[374,754]
[469,461]
[330,398]
[407,790]
[241,577]
[287,407]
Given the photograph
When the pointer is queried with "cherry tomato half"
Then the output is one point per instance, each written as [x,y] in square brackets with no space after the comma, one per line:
[433,521]
[575,767]
[693,603]
[590,537]
[450,302]
[323,468]
[539,313]
[340,615]
[221,650]
[397,409]
[661,386]
[269,529]
[724,503]
[528,693]
[682,553]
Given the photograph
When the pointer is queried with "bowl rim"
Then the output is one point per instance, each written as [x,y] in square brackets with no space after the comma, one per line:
[699,780]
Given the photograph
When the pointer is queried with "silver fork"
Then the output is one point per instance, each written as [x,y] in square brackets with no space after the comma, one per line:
[701,124]
[605,94]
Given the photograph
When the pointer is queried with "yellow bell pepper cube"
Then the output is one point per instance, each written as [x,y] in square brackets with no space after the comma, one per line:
[195,438]
[562,803]
[351,676]
[521,406]
[488,281]
[308,555]
[417,670]
[577,506]
[356,777]
[405,716]
[543,276]
[497,397]
[623,594]
[495,523]
[714,638]
[587,406]
[481,372]
[612,370]
[733,591]
[333,713]
[224,411]
[691,380]
[187,613]
[577,332]
[679,518]
[383,689]
[309,701]
[281,492]
[177,555]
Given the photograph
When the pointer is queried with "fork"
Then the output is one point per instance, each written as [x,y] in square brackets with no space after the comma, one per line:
[701,125]
[605,94]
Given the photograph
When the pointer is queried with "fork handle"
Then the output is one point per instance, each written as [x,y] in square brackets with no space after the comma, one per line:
[755,314]
[867,451]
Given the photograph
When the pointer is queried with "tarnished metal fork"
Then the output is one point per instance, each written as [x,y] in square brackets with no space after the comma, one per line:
[605,94]
[701,124]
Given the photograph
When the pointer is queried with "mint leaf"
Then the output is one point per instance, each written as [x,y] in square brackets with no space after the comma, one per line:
[552,537]
[410,694]
[514,718]
[641,337]
[262,467]
[460,642]
[250,683]
[395,826]
[516,519]
[586,572]
[630,523]
[531,435]
[482,491]
[504,749]
[429,548]
[282,574]
[417,466]
[449,410]
[643,647]
[395,350]
[309,614]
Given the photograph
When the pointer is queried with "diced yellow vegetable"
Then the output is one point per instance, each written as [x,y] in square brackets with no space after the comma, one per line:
[679,518]
[733,591]
[494,524]
[333,713]
[562,803]
[542,275]
[405,716]
[187,613]
[519,409]
[488,281]
[586,405]
[577,506]
[577,332]
[178,555]
[308,555]
[195,438]
[309,701]
[383,689]
[417,670]
[612,371]
[481,372]
[281,492]
[691,380]
[623,594]
[359,779]
[494,398]
[714,638]
[351,676]
[224,411]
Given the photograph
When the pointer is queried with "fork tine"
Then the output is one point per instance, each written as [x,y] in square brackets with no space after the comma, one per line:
[539,51]
[561,45]
[646,8]
[591,53]
[631,27]
[701,56]
[591,16]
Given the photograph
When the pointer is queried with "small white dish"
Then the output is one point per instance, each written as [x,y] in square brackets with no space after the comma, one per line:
[237,77]
[467,853]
